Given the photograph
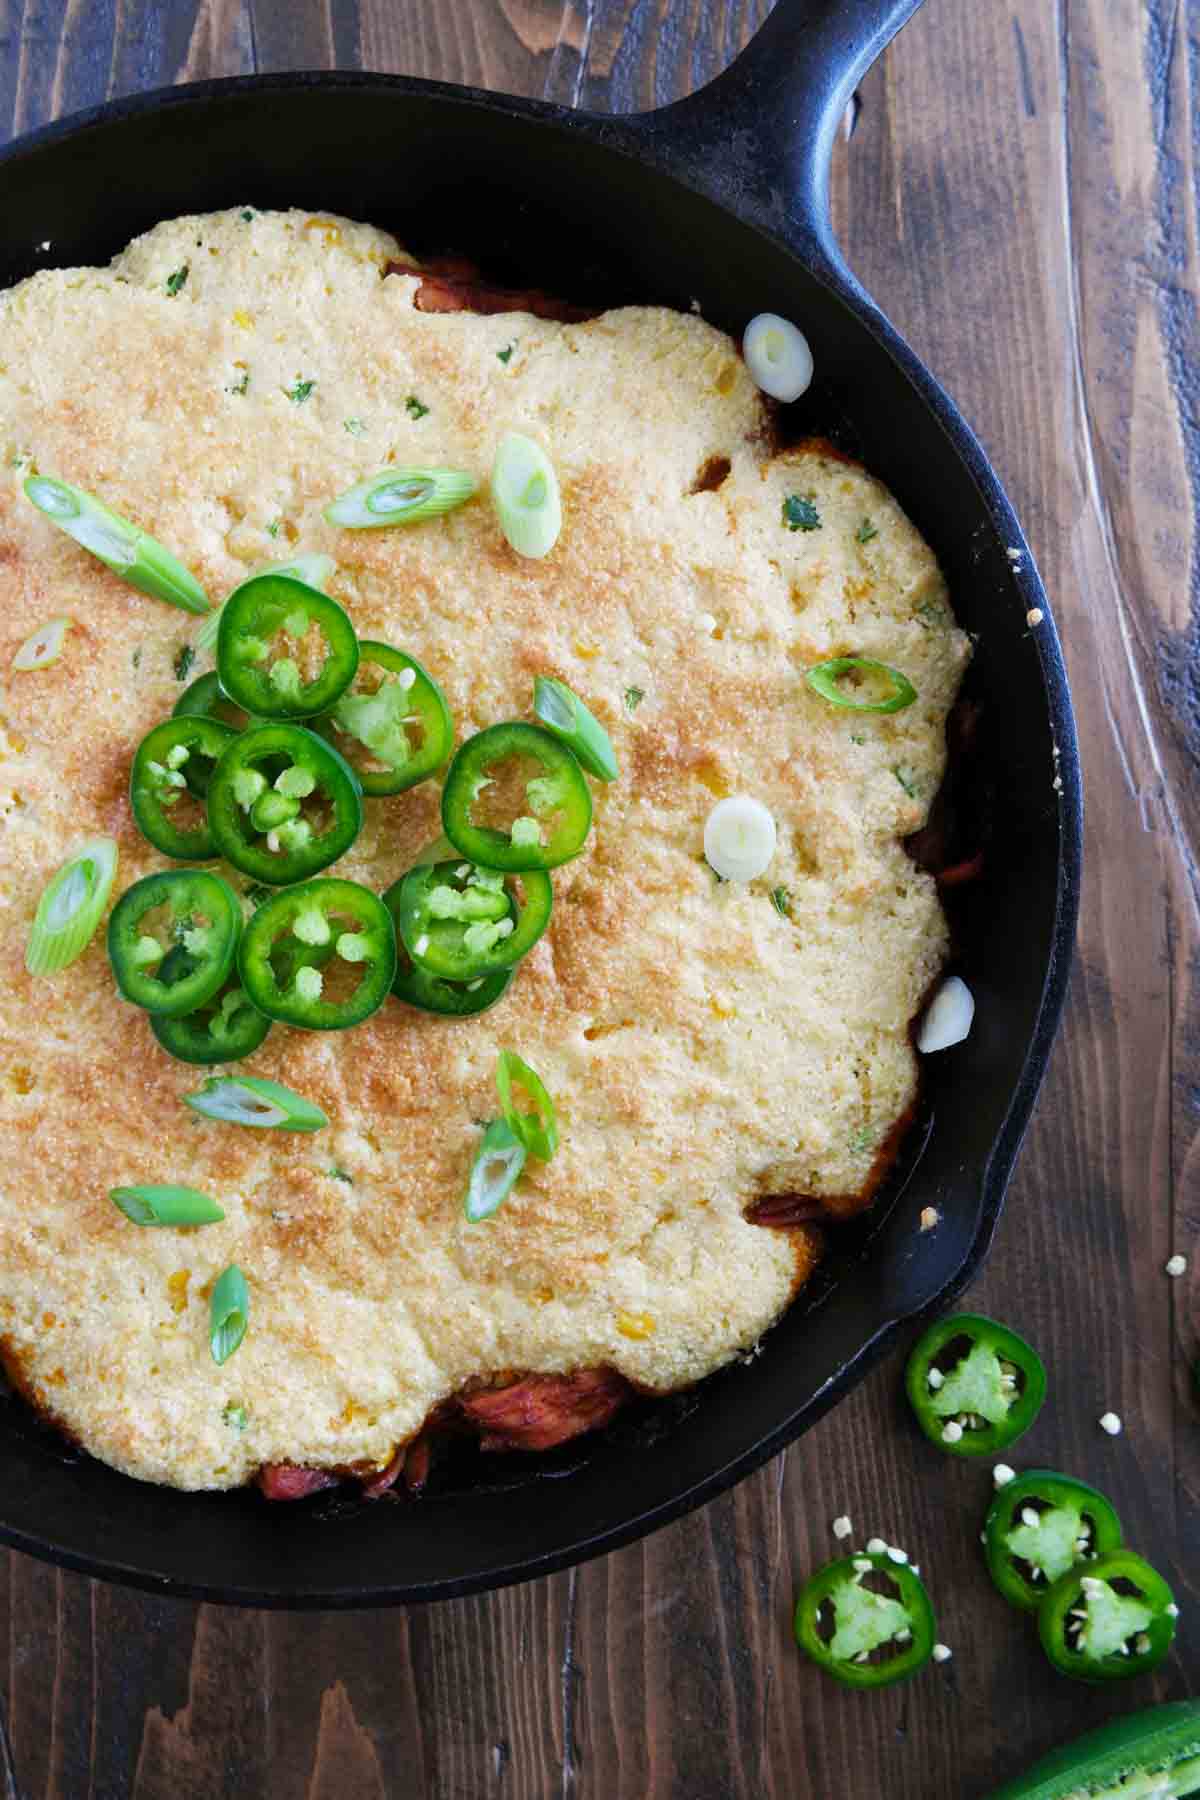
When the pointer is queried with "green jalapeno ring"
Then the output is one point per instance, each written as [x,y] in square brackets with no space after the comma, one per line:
[205,698]
[483,938]
[273,689]
[561,790]
[379,725]
[230,811]
[312,912]
[206,919]
[1159,1744]
[985,1400]
[1077,1523]
[428,993]
[1094,1633]
[839,1622]
[173,759]
[227,1029]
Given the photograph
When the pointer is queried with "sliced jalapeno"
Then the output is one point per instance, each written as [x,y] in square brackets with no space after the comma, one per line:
[205,698]
[542,805]
[1039,1526]
[329,914]
[1149,1755]
[867,1620]
[284,685]
[256,804]
[450,999]
[400,727]
[201,923]
[1109,1619]
[459,921]
[974,1385]
[224,1030]
[172,767]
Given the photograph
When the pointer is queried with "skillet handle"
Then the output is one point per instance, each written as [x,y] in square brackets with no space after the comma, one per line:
[761,135]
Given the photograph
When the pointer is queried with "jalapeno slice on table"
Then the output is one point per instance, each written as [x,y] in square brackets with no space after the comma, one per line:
[225,1030]
[205,698]
[974,1385]
[393,732]
[1038,1527]
[1148,1755]
[1108,1620]
[459,921]
[531,791]
[866,1619]
[256,803]
[284,682]
[200,918]
[172,768]
[341,916]
[449,999]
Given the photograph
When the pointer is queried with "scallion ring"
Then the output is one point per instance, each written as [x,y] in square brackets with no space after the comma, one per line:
[525,495]
[400,497]
[564,713]
[498,1162]
[825,677]
[229,1313]
[247,1100]
[43,647]
[126,549]
[739,838]
[538,1130]
[71,906]
[777,356]
[311,568]
[166,1206]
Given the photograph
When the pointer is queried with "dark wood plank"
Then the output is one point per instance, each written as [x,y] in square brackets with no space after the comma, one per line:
[1021,194]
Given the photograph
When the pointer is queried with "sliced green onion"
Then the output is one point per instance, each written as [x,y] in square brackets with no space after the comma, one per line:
[824,679]
[537,1131]
[777,356]
[129,551]
[739,838]
[43,647]
[564,713]
[311,568]
[400,497]
[500,1159]
[248,1100]
[71,906]
[229,1313]
[166,1206]
[525,496]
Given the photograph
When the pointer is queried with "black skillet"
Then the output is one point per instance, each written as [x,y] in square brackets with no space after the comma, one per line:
[719,199]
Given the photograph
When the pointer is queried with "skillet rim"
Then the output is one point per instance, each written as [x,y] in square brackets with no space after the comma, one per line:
[636,136]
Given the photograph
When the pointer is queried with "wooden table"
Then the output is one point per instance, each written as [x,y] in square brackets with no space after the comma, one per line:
[1021,195]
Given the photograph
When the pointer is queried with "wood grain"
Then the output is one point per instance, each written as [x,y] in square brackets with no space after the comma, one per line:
[1021,194]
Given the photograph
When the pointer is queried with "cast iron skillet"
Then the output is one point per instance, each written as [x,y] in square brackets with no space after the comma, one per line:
[721,199]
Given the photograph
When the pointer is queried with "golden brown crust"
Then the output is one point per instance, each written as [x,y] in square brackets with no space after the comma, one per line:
[703,1047]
